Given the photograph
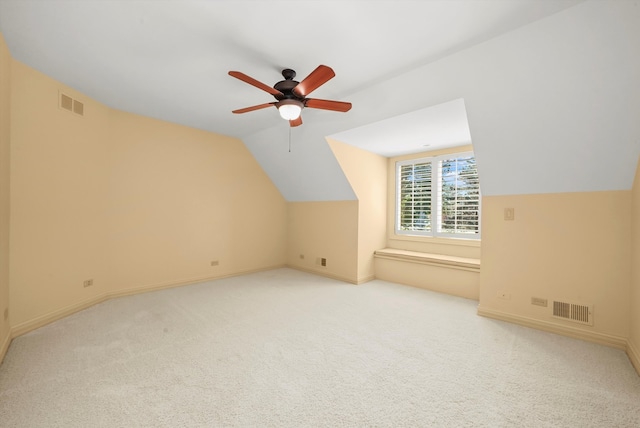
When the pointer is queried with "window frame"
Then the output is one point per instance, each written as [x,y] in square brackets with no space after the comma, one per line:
[436,198]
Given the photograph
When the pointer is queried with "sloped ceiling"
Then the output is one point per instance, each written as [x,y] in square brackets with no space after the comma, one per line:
[542,82]
[432,128]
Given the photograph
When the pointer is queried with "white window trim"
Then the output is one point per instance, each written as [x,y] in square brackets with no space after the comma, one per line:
[436,200]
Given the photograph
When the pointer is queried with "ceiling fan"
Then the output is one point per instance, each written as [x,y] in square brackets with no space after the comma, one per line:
[291,95]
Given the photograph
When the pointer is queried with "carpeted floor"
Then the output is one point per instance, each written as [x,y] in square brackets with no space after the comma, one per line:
[288,349]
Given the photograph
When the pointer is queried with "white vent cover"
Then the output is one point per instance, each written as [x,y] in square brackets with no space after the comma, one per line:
[69,104]
[582,314]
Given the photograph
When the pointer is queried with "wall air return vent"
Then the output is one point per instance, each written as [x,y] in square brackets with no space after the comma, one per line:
[78,107]
[66,102]
[582,314]
[69,104]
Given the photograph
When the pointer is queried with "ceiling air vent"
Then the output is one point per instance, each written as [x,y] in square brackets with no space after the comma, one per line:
[582,314]
[69,104]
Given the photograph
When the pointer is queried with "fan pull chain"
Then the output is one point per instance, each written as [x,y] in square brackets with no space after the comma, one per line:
[289,139]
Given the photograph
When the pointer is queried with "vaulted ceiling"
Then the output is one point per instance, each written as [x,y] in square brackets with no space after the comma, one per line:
[540,80]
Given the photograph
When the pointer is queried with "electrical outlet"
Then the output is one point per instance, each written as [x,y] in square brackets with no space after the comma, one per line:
[509,214]
[503,295]
[323,262]
[87,283]
[215,263]
[539,302]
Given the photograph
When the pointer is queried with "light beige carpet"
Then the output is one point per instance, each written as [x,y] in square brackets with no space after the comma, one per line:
[288,349]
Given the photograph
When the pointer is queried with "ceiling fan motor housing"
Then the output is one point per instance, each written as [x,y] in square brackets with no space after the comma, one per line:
[286,86]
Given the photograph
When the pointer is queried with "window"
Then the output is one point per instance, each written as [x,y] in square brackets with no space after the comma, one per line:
[438,196]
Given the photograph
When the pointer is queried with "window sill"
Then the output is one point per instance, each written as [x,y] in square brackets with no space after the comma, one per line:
[462,263]
[443,241]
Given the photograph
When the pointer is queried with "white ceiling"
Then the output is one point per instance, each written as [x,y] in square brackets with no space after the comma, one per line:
[169,59]
[437,127]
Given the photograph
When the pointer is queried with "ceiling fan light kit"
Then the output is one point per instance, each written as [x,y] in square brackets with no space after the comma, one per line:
[291,95]
[289,109]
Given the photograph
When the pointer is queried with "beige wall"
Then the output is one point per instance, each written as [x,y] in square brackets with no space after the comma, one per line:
[324,230]
[570,246]
[5,119]
[182,198]
[367,174]
[634,334]
[59,177]
[128,201]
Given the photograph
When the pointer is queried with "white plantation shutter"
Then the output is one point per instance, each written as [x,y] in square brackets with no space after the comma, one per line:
[459,196]
[438,196]
[415,200]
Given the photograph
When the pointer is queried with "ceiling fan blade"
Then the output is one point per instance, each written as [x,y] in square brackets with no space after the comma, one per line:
[254,82]
[318,77]
[296,122]
[327,104]
[252,108]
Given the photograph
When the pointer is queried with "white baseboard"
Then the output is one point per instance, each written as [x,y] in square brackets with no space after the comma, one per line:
[325,274]
[4,345]
[365,279]
[50,317]
[634,356]
[41,321]
[185,281]
[591,336]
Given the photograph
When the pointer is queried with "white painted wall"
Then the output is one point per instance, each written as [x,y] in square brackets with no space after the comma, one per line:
[553,107]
